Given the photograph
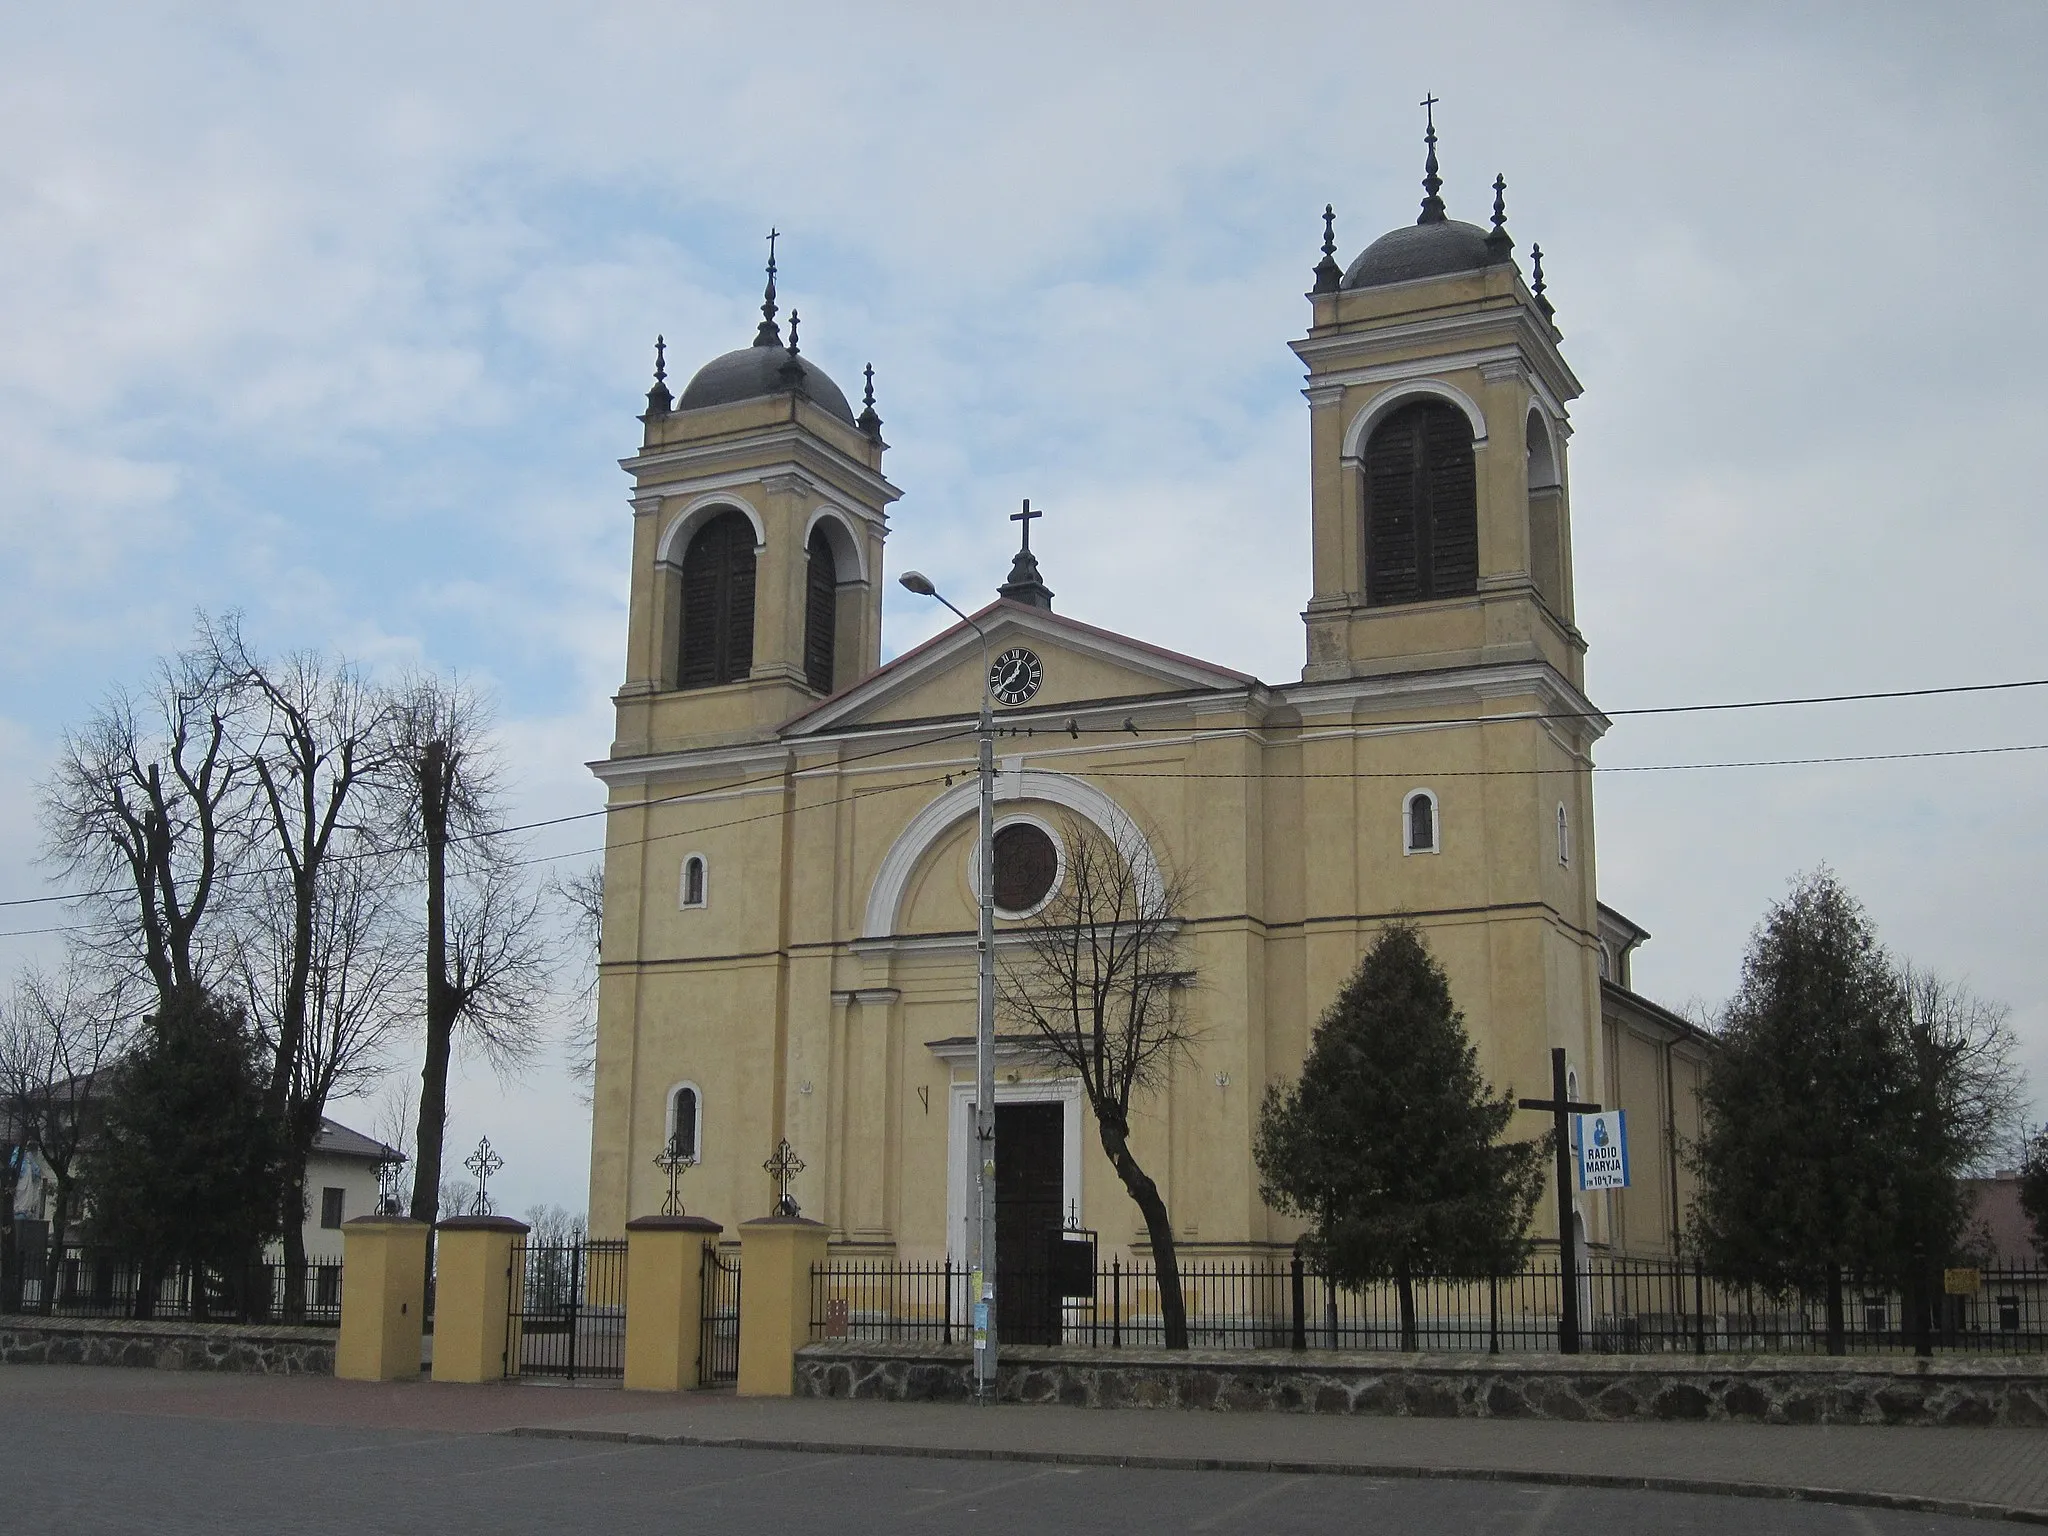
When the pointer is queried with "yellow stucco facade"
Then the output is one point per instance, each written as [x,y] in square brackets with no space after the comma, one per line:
[818,983]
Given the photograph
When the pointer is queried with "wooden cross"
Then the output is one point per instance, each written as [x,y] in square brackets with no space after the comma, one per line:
[483,1162]
[782,1167]
[1025,518]
[1559,1105]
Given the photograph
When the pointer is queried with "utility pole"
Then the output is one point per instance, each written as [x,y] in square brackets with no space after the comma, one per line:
[1560,1105]
[982,1264]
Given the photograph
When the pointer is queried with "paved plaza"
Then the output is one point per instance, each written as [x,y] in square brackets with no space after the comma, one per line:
[91,1450]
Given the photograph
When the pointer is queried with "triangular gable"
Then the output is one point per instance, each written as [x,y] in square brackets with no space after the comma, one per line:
[1137,668]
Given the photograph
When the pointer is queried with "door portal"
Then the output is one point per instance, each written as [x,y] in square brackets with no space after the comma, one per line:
[1030,1174]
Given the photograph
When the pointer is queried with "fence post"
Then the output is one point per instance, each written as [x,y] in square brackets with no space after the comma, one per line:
[473,1289]
[1116,1302]
[1699,1307]
[777,1254]
[947,1338]
[1298,1293]
[382,1308]
[665,1300]
[1493,1313]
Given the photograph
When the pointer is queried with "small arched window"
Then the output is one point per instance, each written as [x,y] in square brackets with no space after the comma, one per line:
[821,611]
[1419,822]
[1421,506]
[685,1123]
[695,881]
[1564,836]
[718,603]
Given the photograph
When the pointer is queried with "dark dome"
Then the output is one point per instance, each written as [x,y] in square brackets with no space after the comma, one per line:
[757,371]
[1437,249]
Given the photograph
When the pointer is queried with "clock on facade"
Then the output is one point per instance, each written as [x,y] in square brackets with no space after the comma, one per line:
[1014,676]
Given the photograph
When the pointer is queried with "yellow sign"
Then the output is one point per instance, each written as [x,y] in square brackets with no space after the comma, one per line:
[1961,1282]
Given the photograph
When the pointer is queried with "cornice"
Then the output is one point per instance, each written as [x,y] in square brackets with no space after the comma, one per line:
[1524,339]
[668,471]
[1481,683]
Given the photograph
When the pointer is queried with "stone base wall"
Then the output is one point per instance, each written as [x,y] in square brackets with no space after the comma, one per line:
[263,1349]
[1756,1390]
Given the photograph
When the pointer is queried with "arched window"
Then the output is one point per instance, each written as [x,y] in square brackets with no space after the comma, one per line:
[1027,867]
[1564,836]
[694,881]
[1421,506]
[821,611]
[718,603]
[1418,822]
[685,1122]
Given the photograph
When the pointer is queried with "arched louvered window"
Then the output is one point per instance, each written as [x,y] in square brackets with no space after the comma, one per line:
[685,1111]
[694,892]
[1421,506]
[1421,822]
[718,603]
[821,611]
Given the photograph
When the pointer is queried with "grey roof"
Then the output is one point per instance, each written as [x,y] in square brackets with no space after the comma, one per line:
[337,1140]
[1436,249]
[751,373]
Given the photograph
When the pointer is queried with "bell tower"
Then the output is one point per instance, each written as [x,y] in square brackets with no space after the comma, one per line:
[1437,401]
[760,511]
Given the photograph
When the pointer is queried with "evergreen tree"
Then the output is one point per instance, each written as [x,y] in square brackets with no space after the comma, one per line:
[2034,1188]
[188,1164]
[1389,1145]
[1807,1114]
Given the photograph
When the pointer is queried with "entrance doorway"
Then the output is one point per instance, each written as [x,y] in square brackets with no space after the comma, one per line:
[1030,1175]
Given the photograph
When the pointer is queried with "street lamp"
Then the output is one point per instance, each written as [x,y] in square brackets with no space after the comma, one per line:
[982,1269]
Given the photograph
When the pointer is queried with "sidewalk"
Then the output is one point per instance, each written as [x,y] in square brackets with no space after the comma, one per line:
[1999,1473]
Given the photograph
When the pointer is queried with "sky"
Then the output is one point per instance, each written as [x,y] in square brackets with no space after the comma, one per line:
[340,318]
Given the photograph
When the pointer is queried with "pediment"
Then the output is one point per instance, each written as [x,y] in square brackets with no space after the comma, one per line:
[1083,666]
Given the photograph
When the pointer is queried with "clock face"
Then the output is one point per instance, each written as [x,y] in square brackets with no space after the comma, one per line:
[1014,676]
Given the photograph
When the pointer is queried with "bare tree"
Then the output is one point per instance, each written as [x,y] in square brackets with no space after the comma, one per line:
[61,1036]
[488,962]
[582,894]
[1964,1059]
[316,746]
[147,809]
[1099,981]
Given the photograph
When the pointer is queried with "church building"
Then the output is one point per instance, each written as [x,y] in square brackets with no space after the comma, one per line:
[790,886]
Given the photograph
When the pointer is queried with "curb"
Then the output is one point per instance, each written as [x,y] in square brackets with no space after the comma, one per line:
[1722,1487]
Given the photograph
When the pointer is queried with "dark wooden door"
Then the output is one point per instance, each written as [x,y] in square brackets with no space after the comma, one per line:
[1030,1176]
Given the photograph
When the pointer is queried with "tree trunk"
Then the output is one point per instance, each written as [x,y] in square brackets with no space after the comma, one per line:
[1404,1283]
[1172,1305]
[433,1121]
[1837,1342]
[294,1234]
[53,1245]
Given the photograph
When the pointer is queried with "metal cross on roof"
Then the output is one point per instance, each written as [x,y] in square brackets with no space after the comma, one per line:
[483,1162]
[671,1160]
[782,1167]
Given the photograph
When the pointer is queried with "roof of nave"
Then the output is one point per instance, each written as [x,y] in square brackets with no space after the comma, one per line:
[1152,670]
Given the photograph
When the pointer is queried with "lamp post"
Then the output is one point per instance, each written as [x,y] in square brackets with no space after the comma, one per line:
[982,1268]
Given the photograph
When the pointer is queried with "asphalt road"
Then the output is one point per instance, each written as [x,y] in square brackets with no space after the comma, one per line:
[80,1470]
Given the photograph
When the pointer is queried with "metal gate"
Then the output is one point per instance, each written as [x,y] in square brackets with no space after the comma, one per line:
[567,1313]
[718,1339]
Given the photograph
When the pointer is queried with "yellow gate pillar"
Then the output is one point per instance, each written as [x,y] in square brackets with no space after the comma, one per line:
[475,1268]
[383,1299]
[776,1255]
[665,1300]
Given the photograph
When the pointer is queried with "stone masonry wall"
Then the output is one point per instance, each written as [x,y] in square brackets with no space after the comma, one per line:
[263,1349]
[1758,1390]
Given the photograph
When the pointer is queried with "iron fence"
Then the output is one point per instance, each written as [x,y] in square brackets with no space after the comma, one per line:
[718,1320]
[567,1310]
[1627,1306]
[87,1280]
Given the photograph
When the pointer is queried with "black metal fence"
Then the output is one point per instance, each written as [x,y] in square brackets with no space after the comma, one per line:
[567,1312]
[718,1336]
[1627,1306]
[83,1280]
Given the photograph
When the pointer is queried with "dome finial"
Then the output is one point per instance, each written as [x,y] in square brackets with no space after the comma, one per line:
[1432,205]
[869,422]
[1500,242]
[1536,281]
[793,318]
[659,400]
[769,335]
[1328,274]
[791,372]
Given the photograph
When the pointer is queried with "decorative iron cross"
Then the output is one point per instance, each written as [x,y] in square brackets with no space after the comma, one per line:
[483,1162]
[782,1167]
[671,1161]
[1025,518]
